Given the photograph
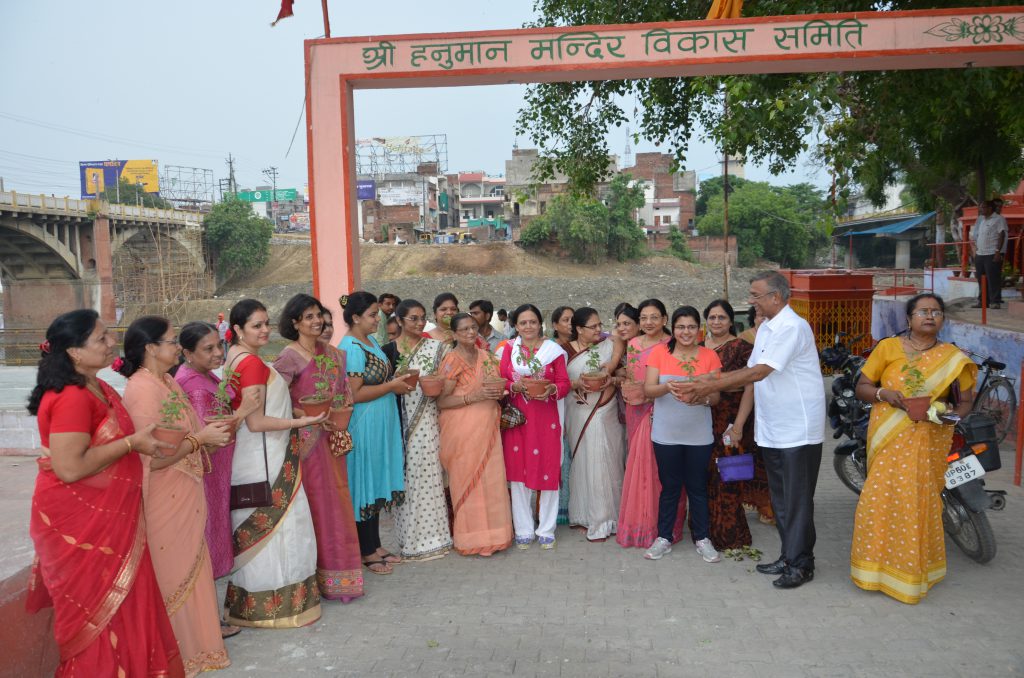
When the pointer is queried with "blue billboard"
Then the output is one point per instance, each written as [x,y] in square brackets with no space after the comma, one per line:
[366,189]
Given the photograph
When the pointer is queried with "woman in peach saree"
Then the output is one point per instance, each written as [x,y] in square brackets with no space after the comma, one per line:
[173,496]
[471,450]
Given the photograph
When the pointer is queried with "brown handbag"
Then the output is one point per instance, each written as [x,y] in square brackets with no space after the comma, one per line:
[258,494]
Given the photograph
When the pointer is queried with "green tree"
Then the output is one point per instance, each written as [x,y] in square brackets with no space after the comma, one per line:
[125,193]
[711,189]
[678,247]
[238,240]
[591,230]
[767,222]
[936,130]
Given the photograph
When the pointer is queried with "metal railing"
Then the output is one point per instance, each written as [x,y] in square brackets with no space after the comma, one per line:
[86,208]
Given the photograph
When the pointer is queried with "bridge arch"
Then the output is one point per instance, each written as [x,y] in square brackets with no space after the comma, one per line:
[31,250]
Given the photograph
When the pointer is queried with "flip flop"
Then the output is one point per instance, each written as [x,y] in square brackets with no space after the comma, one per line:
[229,631]
[383,567]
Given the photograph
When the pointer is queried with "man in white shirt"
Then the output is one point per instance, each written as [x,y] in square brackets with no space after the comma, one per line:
[789,421]
[988,245]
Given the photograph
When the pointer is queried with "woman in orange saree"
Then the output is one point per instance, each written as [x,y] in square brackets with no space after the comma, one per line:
[899,546]
[92,562]
[173,496]
[471,449]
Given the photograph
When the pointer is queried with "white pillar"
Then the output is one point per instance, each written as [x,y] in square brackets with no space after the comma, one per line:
[902,254]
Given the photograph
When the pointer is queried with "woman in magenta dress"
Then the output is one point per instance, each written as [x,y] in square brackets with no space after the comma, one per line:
[201,346]
[339,570]
[533,451]
[638,512]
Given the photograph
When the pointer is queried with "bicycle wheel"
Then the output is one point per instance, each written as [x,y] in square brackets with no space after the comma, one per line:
[998,401]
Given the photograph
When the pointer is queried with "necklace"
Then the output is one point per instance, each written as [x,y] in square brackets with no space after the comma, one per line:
[913,345]
[94,388]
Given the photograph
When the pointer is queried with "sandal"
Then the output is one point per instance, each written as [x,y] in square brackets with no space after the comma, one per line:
[389,558]
[378,566]
[229,631]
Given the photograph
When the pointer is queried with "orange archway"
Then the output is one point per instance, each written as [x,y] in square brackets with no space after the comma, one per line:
[336,67]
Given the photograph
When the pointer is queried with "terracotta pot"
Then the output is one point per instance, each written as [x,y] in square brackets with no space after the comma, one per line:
[415,377]
[340,417]
[214,418]
[494,381]
[314,406]
[633,393]
[917,407]
[432,385]
[172,435]
[535,388]
[594,381]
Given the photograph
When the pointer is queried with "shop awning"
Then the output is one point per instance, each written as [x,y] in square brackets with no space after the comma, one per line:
[894,229]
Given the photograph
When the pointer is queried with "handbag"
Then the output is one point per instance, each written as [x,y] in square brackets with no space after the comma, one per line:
[736,468]
[253,495]
[511,416]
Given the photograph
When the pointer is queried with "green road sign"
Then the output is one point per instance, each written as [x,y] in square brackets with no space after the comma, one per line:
[266,196]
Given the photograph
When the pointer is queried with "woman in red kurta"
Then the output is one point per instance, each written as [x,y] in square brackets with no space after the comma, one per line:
[533,451]
[92,563]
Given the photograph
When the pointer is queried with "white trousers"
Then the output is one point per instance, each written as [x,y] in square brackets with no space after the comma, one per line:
[522,511]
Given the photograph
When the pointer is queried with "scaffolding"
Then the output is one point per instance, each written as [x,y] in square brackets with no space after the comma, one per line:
[155,273]
[379,156]
[187,188]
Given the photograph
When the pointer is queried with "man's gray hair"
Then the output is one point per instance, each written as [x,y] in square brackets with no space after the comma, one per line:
[775,282]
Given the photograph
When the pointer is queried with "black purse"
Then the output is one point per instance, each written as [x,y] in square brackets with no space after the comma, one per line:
[253,495]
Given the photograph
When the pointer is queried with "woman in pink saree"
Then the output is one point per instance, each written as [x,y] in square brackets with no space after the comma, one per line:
[638,512]
[201,345]
[339,572]
[471,449]
[172,493]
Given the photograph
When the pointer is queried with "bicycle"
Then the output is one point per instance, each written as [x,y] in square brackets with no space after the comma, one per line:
[996,396]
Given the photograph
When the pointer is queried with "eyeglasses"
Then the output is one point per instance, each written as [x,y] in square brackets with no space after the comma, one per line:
[173,340]
[928,313]
[594,328]
[415,318]
[755,297]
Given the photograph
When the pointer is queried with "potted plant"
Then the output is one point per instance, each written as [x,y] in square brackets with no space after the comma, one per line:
[432,383]
[595,379]
[632,390]
[536,385]
[170,428]
[222,404]
[320,401]
[403,369]
[341,411]
[913,383]
[491,376]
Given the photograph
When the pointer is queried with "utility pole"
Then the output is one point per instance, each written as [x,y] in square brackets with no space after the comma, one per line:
[232,187]
[271,173]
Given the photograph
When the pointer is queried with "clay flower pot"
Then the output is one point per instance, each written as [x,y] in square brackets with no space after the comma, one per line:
[315,405]
[535,387]
[633,393]
[432,385]
[172,435]
[594,381]
[415,377]
[214,418]
[917,407]
[340,417]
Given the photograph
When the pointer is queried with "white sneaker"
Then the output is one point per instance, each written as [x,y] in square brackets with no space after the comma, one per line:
[707,551]
[659,548]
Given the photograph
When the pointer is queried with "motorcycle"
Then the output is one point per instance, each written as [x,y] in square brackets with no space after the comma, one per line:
[973,452]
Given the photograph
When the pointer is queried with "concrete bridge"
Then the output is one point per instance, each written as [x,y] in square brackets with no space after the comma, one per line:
[57,254]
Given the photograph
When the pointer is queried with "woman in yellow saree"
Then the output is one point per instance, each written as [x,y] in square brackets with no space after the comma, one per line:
[898,541]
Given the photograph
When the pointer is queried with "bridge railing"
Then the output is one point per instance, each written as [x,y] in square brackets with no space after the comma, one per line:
[84,207]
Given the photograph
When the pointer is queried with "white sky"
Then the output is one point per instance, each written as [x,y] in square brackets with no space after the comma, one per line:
[186,82]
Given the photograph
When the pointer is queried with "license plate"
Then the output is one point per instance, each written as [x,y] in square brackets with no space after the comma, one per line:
[963,471]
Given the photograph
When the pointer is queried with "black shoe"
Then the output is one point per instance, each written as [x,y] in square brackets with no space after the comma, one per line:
[778,567]
[793,577]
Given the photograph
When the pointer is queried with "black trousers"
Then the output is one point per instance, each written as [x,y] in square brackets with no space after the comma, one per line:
[679,466]
[792,477]
[985,265]
[369,535]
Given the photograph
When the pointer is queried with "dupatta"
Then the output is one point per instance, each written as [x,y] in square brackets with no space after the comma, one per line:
[89,538]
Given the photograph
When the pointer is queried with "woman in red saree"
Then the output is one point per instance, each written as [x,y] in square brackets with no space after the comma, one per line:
[92,562]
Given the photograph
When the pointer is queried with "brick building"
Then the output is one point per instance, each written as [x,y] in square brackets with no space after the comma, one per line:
[670,196]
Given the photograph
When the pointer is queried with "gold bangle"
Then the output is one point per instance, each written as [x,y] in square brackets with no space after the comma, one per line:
[194,442]
[128,442]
